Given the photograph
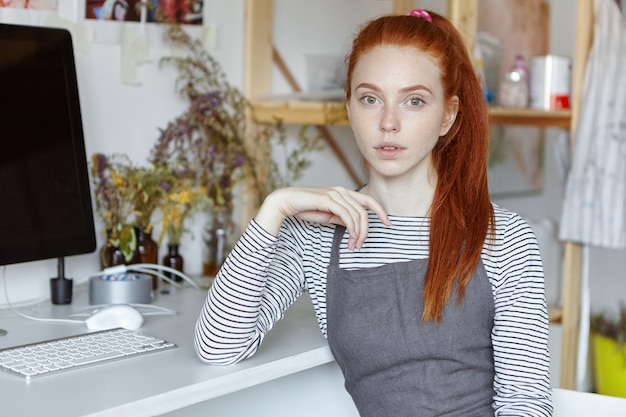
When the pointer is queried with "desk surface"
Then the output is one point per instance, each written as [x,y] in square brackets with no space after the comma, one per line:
[167,381]
[157,383]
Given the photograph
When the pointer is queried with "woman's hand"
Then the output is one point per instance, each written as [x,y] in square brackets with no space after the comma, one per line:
[336,205]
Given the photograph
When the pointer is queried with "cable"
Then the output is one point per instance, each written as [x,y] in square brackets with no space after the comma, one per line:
[153,269]
[159,310]
[26,316]
[110,271]
[118,269]
[160,275]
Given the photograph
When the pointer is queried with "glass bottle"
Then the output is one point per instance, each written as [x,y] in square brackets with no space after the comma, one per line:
[173,259]
[147,250]
[218,239]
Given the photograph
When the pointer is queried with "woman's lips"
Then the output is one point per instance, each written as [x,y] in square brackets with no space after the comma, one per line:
[389,150]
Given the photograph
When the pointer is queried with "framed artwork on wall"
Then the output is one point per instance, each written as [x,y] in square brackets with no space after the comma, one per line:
[30,4]
[187,12]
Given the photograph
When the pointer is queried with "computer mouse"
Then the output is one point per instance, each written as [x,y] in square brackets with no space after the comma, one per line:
[114,316]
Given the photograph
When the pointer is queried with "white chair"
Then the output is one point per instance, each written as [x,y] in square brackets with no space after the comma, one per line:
[569,403]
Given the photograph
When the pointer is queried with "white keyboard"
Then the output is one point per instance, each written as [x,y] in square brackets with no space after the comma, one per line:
[53,356]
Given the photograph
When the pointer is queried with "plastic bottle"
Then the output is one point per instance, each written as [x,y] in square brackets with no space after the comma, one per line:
[514,85]
[479,67]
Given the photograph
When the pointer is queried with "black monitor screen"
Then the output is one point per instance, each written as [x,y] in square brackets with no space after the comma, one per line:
[45,203]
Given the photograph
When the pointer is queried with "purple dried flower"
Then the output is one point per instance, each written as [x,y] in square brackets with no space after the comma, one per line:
[239,160]
[165,185]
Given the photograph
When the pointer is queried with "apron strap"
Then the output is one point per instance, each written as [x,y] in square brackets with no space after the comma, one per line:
[334,252]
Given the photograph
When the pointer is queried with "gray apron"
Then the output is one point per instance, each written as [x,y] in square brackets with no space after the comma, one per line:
[394,365]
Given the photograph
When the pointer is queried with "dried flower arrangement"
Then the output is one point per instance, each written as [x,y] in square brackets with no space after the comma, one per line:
[111,189]
[216,141]
[113,181]
[149,185]
[198,158]
[181,201]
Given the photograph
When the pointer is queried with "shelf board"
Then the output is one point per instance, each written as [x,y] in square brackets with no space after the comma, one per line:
[530,117]
[301,112]
[334,113]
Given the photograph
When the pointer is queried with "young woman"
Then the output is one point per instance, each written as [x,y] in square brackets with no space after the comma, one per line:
[431,297]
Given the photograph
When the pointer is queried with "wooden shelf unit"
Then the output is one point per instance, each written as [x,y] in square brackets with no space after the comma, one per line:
[463,13]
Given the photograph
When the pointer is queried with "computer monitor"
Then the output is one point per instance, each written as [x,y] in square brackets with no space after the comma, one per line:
[45,199]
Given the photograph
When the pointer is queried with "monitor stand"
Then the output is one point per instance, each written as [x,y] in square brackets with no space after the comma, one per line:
[61,287]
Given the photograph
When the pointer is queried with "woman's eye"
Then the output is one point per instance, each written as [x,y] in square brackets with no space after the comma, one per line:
[415,101]
[369,100]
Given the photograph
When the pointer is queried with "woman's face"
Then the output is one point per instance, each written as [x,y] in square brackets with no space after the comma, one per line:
[397,111]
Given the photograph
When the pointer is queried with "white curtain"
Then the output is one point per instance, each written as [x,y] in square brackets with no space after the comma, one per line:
[594,208]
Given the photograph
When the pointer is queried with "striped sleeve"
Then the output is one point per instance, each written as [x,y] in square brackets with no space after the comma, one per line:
[243,304]
[520,332]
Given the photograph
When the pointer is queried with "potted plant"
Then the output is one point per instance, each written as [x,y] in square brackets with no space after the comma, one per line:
[182,200]
[148,185]
[113,198]
[608,337]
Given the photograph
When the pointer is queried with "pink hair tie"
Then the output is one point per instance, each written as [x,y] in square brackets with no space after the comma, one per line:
[421,13]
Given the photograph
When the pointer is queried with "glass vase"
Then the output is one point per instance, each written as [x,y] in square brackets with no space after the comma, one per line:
[147,250]
[173,259]
[218,237]
[110,254]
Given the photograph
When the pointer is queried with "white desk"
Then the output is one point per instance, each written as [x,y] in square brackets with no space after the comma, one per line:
[157,383]
[293,373]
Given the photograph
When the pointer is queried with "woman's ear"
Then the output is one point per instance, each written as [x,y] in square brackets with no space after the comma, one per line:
[449,116]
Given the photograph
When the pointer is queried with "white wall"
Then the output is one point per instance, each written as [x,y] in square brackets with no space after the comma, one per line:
[125,118]
[118,117]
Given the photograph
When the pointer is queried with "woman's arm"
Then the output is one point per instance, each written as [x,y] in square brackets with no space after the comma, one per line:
[520,333]
[249,295]
[336,205]
[241,306]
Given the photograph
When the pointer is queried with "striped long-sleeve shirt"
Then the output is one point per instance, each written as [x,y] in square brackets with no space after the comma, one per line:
[264,275]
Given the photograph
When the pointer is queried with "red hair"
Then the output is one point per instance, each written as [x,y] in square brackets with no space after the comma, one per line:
[461,212]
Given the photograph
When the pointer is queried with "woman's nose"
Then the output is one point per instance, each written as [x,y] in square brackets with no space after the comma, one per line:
[389,121]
